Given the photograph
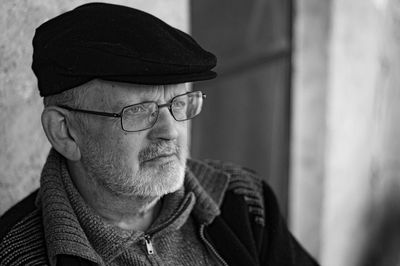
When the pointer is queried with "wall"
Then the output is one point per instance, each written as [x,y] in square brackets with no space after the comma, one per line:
[310,81]
[345,137]
[247,108]
[23,144]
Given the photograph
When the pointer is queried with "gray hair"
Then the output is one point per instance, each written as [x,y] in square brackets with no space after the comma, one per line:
[74,98]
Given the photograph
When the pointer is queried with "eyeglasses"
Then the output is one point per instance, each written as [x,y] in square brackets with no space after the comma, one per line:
[142,116]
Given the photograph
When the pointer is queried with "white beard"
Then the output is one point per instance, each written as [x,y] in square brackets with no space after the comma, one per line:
[153,179]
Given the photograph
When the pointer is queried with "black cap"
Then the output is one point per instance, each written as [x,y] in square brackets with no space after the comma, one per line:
[115,43]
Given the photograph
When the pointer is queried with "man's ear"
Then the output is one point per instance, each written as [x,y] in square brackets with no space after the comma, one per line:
[60,133]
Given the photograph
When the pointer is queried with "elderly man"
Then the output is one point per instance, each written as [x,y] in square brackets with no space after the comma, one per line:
[118,187]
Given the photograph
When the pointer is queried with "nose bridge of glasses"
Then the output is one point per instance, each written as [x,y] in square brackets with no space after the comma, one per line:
[168,105]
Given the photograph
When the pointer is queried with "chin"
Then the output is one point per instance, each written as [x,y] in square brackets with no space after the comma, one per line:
[163,180]
[152,180]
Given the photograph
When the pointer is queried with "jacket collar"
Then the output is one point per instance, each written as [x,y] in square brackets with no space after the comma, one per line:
[209,185]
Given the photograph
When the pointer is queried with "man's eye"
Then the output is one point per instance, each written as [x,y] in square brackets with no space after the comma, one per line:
[137,109]
[178,104]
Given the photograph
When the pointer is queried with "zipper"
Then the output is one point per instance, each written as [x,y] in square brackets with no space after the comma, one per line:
[211,247]
[147,236]
[149,245]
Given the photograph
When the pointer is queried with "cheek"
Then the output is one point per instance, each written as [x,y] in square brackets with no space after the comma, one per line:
[127,144]
[184,131]
[130,144]
[183,139]
[122,146]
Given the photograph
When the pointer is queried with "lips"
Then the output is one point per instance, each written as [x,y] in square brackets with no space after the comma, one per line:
[159,151]
[159,157]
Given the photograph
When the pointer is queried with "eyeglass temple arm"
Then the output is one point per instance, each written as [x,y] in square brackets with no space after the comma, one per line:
[90,112]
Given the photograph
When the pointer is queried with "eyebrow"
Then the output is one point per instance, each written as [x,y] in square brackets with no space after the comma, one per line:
[123,102]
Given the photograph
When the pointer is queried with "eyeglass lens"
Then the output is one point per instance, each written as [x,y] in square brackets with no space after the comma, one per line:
[144,115]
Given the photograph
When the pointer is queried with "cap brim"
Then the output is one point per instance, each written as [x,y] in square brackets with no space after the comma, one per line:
[162,80]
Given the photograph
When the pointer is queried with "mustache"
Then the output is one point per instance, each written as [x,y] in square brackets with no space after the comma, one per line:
[159,149]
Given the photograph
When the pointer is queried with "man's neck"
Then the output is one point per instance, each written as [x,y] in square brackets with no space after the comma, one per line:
[127,213]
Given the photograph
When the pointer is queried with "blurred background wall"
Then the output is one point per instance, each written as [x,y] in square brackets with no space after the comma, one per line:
[308,96]
[345,146]
[308,134]
[246,119]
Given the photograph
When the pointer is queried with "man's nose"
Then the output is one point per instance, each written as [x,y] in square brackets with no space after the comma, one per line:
[165,127]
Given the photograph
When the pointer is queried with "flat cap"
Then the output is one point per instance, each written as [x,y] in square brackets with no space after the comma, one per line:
[115,43]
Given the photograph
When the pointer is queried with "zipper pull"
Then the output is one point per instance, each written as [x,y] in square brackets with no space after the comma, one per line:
[149,245]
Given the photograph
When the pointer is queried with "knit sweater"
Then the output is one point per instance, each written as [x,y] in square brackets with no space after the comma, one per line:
[235,215]
[111,245]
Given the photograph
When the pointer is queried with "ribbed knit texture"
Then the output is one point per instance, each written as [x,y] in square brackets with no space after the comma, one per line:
[73,228]
[27,238]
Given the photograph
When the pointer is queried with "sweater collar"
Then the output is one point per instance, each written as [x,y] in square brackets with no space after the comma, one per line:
[62,229]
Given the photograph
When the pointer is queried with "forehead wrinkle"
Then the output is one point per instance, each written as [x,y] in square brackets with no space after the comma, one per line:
[170,91]
[137,93]
[153,92]
[132,94]
[144,93]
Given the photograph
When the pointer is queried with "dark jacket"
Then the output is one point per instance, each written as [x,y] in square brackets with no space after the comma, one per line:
[249,231]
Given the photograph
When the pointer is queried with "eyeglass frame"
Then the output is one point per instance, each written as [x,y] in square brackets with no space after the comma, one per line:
[119,115]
